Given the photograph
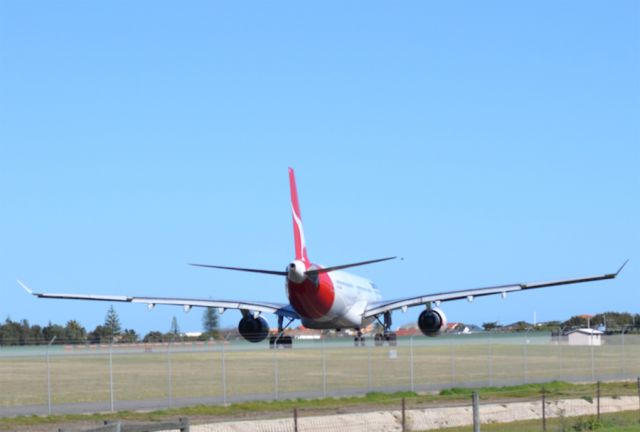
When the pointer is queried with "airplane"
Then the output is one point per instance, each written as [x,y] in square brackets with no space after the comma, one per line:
[327,297]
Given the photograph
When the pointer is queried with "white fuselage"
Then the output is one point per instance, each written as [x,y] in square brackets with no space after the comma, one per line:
[351,295]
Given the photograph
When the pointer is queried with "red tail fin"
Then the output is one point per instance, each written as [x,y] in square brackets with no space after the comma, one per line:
[298,232]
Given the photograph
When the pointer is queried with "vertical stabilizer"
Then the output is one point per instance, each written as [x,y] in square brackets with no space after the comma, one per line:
[298,232]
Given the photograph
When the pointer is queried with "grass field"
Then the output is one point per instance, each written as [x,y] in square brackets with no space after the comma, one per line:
[310,369]
[205,414]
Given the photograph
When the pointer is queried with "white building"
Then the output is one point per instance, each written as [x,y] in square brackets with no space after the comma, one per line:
[585,336]
[192,334]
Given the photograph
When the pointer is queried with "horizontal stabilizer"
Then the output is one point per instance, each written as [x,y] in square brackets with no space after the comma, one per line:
[313,272]
[271,272]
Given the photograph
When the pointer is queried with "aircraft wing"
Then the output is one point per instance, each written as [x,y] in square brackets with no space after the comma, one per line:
[254,306]
[380,307]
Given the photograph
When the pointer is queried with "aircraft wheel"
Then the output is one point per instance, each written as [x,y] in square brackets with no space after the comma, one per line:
[276,342]
[378,340]
[391,338]
[286,342]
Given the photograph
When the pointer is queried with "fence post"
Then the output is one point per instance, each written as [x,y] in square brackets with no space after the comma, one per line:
[404,416]
[413,386]
[490,360]
[185,424]
[169,373]
[476,412]
[593,365]
[598,397]
[525,358]
[324,370]
[224,373]
[453,362]
[275,372]
[111,375]
[544,411]
[295,419]
[49,376]
[638,384]
[560,359]
[624,369]
[369,371]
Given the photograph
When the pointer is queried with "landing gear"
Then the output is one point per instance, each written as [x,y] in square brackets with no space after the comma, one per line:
[387,335]
[391,338]
[359,339]
[276,342]
[378,339]
[280,340]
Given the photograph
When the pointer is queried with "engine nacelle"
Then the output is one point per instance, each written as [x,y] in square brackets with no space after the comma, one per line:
[432,322]
[253,329]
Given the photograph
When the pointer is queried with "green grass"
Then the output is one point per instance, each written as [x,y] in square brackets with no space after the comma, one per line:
[83,376]
[553,390]
[373,400]
[274,408]
[626,421]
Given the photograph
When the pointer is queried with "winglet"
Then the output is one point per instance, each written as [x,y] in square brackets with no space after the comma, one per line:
[26,288]
[621,267]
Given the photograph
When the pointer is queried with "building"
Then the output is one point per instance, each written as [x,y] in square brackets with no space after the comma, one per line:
[584,336]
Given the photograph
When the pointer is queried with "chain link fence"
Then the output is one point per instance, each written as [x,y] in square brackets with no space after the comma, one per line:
[587,408]
[550,407]
[59,379]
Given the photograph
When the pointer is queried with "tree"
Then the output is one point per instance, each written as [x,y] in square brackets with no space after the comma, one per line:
[112,322]
[154,336]
[129,336]
[580,321]
[10,332]
[74,333]
[615,321]
[211,322]
[54,330]
[551,326]
[488,326]
[100,335]
[175,329]
[36,336]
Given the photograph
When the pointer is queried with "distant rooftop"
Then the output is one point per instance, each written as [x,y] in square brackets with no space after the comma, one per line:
[588,331]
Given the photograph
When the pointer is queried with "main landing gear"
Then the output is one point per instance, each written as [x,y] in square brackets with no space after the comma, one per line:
[359,339]
[280,340]
[387,335]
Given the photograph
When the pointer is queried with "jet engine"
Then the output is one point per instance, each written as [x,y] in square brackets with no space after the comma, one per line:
[253,329]
[432,322]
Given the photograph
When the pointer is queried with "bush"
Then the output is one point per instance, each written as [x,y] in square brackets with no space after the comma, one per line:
[589,424]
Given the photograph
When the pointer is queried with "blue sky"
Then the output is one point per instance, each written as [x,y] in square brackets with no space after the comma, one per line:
[485,142]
